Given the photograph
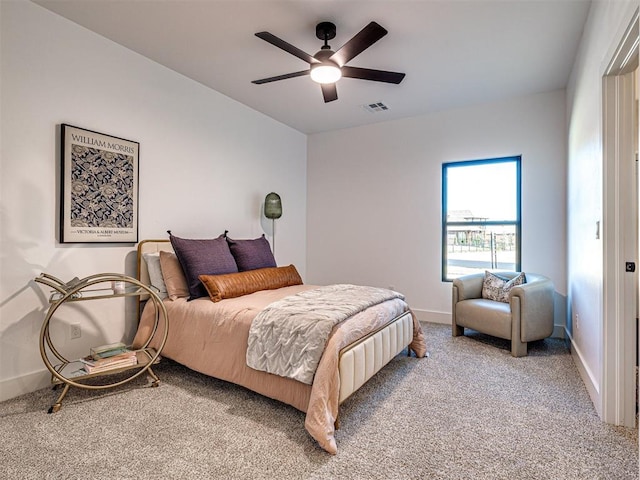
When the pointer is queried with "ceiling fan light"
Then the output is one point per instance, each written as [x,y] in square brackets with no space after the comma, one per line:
[325,73]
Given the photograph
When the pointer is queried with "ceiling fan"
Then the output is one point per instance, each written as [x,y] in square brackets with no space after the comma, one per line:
[326,67]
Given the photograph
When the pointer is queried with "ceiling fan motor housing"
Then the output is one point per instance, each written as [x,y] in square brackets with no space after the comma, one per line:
[326,31]
[323,55]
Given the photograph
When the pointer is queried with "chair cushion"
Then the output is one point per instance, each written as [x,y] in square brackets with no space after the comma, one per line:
[487,316]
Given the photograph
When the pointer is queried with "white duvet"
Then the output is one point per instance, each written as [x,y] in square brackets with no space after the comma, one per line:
[288,337]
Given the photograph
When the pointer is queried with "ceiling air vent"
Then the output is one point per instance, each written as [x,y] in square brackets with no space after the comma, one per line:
[375,107]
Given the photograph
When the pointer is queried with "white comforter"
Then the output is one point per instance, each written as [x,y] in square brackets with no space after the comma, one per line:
[288,337]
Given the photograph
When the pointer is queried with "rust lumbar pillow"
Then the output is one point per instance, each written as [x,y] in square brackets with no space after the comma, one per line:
[231,285]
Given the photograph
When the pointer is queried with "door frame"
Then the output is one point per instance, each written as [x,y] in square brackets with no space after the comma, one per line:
[620,241]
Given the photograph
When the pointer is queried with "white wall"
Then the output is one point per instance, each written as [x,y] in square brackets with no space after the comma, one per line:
[603,31]
[206,163]
[374,196]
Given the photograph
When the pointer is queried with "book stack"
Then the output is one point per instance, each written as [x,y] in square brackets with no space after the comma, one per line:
[109,357]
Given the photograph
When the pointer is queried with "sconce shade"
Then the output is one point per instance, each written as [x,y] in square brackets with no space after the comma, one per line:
[272,206]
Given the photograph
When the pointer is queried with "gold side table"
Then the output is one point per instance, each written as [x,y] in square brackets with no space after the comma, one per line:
[69,372]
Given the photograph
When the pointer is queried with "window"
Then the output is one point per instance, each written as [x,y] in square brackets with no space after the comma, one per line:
[480,216]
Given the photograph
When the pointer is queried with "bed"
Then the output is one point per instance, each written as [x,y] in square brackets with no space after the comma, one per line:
[212,337]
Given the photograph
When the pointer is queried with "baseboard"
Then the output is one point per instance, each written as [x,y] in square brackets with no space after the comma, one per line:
[587,376]
[14,387]
[432,317]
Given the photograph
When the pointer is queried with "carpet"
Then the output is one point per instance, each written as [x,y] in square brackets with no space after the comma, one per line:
[470,410]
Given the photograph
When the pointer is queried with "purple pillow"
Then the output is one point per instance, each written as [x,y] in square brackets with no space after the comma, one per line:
[252,254]
[202,257]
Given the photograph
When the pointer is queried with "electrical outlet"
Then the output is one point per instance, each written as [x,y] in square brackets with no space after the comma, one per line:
[577,321]
[75,331]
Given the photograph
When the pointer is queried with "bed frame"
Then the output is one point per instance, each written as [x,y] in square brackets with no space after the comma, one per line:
[358,362]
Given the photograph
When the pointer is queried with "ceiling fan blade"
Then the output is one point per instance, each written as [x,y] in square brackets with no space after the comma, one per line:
[281,77]
[360,42]
[374,75]
[329,92]
[287,47]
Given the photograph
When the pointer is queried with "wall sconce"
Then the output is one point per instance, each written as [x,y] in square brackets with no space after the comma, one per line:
[273,210]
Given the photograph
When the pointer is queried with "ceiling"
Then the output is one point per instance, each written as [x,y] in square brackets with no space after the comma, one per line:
[454,53]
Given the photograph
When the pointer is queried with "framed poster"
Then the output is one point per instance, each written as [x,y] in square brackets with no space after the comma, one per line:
[99,188]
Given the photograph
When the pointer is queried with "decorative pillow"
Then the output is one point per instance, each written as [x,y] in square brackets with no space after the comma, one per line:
[243,283]
[495,287]
[202,257]
[252,254]
[155,273]
[173,276]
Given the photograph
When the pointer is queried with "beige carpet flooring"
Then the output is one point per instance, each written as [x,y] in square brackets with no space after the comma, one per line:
[470,411]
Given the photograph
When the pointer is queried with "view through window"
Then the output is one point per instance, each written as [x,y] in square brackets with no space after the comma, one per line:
[480,216]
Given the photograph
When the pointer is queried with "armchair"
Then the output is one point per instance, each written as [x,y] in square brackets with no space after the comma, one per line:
[528,316]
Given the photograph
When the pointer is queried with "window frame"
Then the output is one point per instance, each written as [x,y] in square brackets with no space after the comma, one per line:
[517,159]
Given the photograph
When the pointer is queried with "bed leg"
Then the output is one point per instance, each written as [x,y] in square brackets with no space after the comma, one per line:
[409,352]
[336,424]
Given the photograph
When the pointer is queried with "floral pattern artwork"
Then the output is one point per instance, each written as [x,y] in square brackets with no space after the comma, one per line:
[102,188]
[99,187]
